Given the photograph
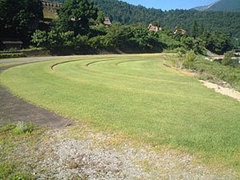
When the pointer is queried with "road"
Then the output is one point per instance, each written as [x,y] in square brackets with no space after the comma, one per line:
[34,59]
[14,109]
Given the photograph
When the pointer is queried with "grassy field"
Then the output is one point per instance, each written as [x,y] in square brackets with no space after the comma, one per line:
[138,96]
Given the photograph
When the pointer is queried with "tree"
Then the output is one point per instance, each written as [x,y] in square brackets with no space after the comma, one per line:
[117,36]
[40,39]
[218,42]
[101,17]
[195,29]
[201,30]
[20,19]
[227,60]
[75,15]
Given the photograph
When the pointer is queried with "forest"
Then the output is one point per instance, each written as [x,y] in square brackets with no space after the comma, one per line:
[225,22]
[119,11]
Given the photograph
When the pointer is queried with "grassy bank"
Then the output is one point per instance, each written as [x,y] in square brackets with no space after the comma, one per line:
[140,97]
[215,70]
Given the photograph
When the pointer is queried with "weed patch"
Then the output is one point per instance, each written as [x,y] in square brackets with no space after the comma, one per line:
[23,127]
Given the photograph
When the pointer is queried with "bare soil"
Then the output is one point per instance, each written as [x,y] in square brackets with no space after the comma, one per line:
[223,90]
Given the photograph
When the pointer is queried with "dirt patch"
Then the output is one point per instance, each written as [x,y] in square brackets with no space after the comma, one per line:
[223,90]
[14,109]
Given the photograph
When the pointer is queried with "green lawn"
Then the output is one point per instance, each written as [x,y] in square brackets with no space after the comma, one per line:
[140,97]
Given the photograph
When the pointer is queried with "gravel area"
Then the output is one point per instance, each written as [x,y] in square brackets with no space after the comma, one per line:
[60,154]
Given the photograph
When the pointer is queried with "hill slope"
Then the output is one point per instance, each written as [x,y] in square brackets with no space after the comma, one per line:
[203,8]
[221,5]
[226,5]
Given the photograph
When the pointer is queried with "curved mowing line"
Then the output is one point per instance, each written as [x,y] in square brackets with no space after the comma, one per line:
[70,61]
[64,62]
[115,74]
[128,61]
[121,75]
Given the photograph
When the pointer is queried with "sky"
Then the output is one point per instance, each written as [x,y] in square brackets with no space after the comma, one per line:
[170,4]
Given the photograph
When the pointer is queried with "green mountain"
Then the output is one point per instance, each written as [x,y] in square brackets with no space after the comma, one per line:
[226,5]
[221,5]
[203,8]
[226,22]
[118,11]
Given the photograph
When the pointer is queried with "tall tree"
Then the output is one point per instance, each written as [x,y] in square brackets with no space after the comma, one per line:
[19,19]
[201,30]
[101,17]
[75,16]
[195,29]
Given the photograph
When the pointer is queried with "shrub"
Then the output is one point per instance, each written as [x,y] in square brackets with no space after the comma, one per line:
[215,70]
[23,127]
[67,38]
[227,60]
[189,59]
[11,55]
[80,42]
[97,42]
[39,38]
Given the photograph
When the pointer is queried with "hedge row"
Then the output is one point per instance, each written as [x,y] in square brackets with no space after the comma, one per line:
[11,55]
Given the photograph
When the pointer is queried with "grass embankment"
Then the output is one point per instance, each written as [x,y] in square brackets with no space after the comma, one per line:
[140,97]
[215,70]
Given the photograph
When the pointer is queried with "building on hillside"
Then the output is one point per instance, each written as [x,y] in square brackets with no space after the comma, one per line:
[50,9]
[107,21]
[180,31]
[51,4]
[237,52]
[154,28]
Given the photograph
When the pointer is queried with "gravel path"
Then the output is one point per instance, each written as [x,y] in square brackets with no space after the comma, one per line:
[85,154]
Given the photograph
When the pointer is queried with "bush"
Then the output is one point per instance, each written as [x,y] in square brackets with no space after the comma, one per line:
[189,59]
[215,70]
[23,127]
[169,42]
[67,39]
[227,60]
[40,39]
[97,42]
[80,42]
[11,55]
